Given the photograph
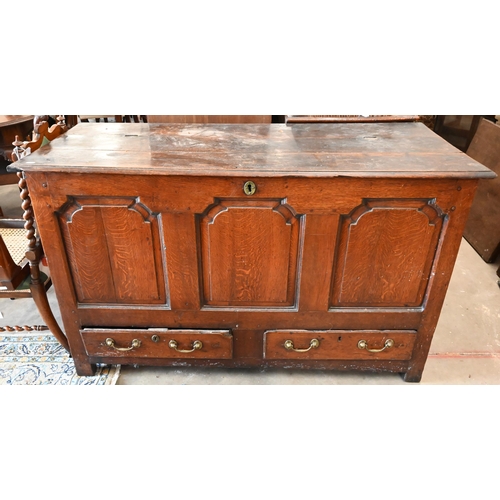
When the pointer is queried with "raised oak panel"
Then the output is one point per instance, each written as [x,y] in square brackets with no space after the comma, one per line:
[385,253]
[249,253]
[114,251]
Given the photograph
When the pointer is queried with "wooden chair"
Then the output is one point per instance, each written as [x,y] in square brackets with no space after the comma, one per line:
[20,248]
[20,274]
[42,134]
[482,230]
[14,268]
[459,130]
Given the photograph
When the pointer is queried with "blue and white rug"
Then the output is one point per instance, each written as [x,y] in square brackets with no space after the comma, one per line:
[37,358]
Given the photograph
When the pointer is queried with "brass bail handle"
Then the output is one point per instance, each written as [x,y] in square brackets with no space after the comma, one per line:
[363,344]
[314,344]
[197,344]
[135,343]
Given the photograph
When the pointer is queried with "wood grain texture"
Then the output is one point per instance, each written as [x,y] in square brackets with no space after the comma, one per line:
[184,194]
[338,344]
[385,253]
[59,270]
[317,261]
[251,264]
[368,366]
[250,251]
[254,320]
[406,150]
[181,250]
[444,261]
[216,344]
[102,238]
[483,225]
[88,255]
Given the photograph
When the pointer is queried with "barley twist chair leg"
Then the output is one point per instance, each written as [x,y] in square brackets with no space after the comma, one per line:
[33,254]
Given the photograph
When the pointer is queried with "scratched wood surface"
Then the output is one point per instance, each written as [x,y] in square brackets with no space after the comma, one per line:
[338,344]
[216,344]
[365,149]
[176,243]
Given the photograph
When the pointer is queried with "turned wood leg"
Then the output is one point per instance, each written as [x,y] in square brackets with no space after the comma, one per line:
[33,254]
[42,303]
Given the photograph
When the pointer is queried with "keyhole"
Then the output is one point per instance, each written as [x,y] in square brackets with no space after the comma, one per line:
[249,188]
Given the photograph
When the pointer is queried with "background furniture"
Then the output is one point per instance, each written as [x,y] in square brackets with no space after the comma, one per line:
[209,118]
[483,225]
[350,118]
[302,246]
[112,118]
[14,268]
[459,129]
[10,126]
[20,247]
[20,274]
[42,135]
[98,118]
[135,118]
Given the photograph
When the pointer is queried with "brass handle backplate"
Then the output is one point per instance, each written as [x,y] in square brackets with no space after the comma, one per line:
[249,188]
[363,344]
[197,344]
[135,343]
[314,344]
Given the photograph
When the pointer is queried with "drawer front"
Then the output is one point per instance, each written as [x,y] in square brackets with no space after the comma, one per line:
[339,344]
[158,343]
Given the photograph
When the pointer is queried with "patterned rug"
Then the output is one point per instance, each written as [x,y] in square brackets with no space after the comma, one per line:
[37,358]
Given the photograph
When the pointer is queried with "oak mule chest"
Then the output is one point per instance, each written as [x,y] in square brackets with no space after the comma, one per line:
[324,246]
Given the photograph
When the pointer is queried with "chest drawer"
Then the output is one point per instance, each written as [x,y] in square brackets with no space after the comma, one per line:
[339,344]
[158,343]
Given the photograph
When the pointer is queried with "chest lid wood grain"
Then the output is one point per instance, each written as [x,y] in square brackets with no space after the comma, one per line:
[301,150]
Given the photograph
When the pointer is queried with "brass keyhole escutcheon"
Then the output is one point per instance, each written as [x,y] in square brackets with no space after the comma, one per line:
[155,338]
[249,188]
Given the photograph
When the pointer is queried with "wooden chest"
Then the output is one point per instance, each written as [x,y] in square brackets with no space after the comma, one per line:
[326,246]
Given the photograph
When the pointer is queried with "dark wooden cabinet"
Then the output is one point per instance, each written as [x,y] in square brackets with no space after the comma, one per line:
[261,245]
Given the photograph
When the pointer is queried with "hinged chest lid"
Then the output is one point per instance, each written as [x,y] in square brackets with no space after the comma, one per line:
[408,150]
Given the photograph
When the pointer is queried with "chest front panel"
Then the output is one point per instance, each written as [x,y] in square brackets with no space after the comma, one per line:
[295,245]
